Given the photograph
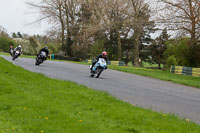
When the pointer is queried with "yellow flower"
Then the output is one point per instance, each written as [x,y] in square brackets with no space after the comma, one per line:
[164,115]
[13,128]
[7,129]
[42,131]
[187,120]
[46,118]
[79,112]
[1,130]
[25,108]
[81,120]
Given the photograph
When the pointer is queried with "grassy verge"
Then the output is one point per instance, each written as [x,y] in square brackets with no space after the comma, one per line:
[26,56]
[33,103]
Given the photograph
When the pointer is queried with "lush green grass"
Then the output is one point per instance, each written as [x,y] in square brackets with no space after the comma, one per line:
[146,64]
[27,56]
[33,103]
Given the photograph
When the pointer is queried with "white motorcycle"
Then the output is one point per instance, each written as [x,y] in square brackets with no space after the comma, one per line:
[98,68]
[16,54]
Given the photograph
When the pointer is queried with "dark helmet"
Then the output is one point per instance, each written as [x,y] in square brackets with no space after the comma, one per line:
[104,53]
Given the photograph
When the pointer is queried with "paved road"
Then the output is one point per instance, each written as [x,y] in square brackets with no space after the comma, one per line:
[138,90]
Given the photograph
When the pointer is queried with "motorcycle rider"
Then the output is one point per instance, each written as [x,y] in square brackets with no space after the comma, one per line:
[102,55]
[45,49]
[11,50]
[18,48]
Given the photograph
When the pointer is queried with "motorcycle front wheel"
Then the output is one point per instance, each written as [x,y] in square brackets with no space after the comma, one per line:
[99,70]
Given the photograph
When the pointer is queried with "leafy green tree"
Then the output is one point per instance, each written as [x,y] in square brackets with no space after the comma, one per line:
[179,48]
[194,55]
[14,35]
[158,47]
[51,47]
[171,61]
[5,43]
[19,35]
[34,44]
[3,32]
[97,48]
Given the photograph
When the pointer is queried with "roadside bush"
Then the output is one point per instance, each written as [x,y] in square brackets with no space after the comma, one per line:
[5,43]
[27,49]
[180,50]
[171,61]
[194,55]
[51,47]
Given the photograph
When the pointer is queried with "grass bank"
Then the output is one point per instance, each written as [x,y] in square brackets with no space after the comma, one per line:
[33,103]
[26,56]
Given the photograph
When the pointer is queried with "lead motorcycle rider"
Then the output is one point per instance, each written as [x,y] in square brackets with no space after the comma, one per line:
[18,48]
[45,49]
[103,55]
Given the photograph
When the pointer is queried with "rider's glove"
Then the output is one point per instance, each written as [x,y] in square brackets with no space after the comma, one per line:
[105,67]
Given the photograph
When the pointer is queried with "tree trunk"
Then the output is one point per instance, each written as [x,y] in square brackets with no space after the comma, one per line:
[69,44]
[62,28]
[119,53]
[136,50]
[159,61]
[63,38]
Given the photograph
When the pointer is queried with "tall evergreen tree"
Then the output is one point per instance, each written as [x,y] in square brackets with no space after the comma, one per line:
[14,35]
[19,35]
[158,47]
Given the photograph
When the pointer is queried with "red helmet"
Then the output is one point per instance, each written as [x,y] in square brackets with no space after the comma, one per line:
[104,53]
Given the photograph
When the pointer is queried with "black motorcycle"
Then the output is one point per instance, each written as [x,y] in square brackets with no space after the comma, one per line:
[40,58]
[15,54]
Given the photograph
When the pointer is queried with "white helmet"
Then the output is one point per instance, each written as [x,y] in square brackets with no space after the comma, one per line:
[19,46]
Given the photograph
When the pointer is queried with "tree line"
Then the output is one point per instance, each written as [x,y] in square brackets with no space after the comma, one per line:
[125,29]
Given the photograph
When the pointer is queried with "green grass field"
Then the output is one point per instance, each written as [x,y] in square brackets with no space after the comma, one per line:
[33,103]
[26,56]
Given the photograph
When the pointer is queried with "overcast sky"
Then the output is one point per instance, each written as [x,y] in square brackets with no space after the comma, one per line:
[14,18]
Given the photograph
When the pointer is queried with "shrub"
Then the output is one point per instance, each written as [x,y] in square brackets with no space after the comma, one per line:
[51,47]
[27,49]
[180,50]
[171,61]
[5,43]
